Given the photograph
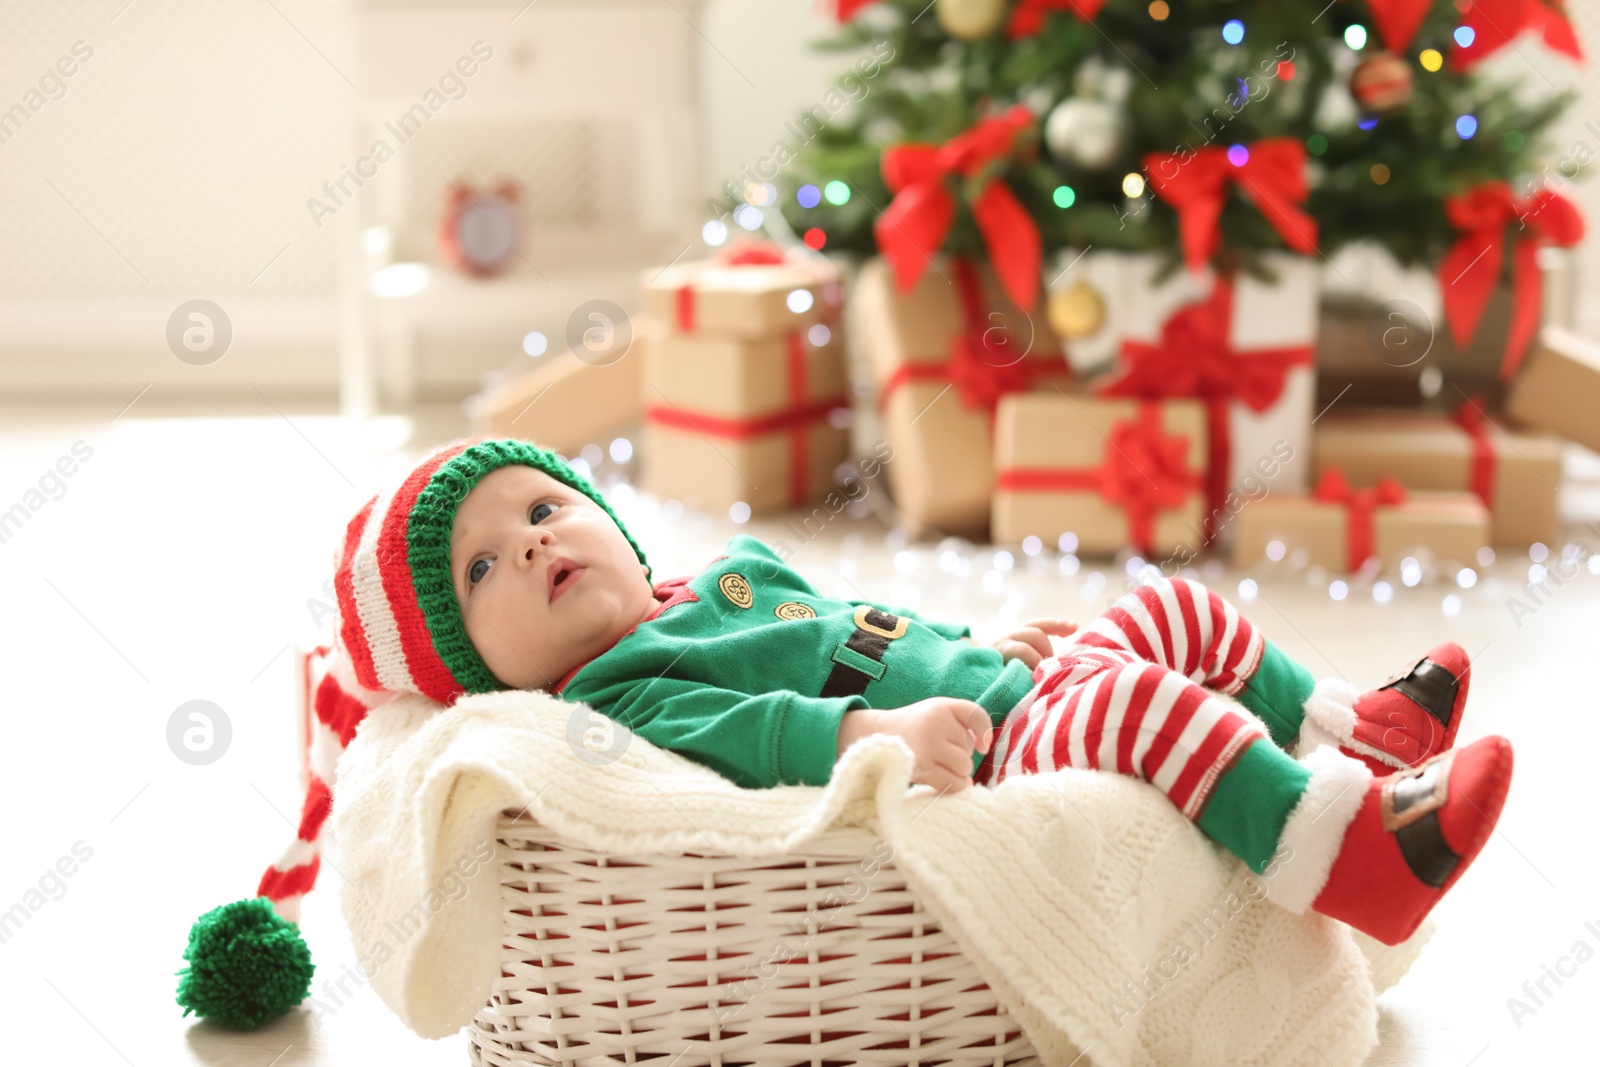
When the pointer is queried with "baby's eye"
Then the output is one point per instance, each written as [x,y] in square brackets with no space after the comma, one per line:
[474,575]
[541,512]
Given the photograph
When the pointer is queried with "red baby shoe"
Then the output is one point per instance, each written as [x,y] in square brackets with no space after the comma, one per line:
[1413,837]
[1411,717]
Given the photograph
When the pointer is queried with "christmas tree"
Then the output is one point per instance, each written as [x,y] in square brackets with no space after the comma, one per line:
[1203,128]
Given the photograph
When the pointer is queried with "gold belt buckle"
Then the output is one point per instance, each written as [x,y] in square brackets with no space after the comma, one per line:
[861,621]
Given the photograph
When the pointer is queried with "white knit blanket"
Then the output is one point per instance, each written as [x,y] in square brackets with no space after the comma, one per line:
[1105,922]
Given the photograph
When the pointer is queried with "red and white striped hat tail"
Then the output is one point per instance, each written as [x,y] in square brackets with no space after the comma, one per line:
[332,704]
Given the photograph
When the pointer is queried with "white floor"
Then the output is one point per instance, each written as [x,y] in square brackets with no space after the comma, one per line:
[185,555]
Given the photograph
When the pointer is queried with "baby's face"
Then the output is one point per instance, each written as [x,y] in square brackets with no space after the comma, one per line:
[544,578]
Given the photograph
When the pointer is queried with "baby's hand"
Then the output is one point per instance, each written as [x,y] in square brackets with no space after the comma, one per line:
[940,731]
[1032,643]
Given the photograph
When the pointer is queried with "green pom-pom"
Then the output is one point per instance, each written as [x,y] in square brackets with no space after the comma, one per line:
[247,966]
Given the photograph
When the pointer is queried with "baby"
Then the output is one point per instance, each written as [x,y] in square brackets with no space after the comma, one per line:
[496,566]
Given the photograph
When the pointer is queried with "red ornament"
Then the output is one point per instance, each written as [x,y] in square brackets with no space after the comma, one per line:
[1382,82]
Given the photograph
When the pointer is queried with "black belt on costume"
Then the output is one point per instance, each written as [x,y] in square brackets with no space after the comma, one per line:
[858,660]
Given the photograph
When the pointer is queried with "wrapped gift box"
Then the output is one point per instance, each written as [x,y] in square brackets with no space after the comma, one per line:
[565,402]
[1339,536]
[1558,386]
[1516,474]
[1245,349]
[937,383]
[741,295]
[763,421]
[1116,473]
[1370,353]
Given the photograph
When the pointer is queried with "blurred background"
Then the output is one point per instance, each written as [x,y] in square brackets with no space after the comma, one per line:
[257,258]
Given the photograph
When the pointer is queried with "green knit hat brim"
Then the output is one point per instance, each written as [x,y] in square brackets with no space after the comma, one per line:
[428,530]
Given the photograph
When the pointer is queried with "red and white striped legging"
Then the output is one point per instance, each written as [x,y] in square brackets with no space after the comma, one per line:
[1135,691]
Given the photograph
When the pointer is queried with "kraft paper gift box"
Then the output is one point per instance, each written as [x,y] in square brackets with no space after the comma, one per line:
[1386,520]
[746,292]
[1558,386]
[937,383]
[763,421]
[565,402]
[1244,348]
[1117,473]
[1516,474]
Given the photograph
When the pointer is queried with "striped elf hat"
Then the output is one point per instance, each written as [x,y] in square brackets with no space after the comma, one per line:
[398,629]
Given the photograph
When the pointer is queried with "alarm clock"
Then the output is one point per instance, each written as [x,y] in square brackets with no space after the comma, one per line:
[480,231]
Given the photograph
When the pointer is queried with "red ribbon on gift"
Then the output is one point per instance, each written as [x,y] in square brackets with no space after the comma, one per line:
[1193,359]
[917,221]
[1027,18]
[1470,417]
[748,253]
[1360,506]
[1272,176]
[1496,23]
[797,420]
[1471,268]
[983,364]
[1144,471]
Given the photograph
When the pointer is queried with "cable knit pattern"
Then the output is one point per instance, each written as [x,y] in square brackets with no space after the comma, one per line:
[1066,889]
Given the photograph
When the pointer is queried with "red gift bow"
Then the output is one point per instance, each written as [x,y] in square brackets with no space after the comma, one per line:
[1273,178]
[974,366]
[746,253]
[1480,479]
[1143,471]
[1496,23]
[1398,21]
[1193,359]
[1027,18]
[918,219]
[797,420]
[1471,268]
[1359,505]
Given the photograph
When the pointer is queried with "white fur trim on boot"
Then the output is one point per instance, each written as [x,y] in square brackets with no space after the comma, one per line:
[1315,829]
[1330,719]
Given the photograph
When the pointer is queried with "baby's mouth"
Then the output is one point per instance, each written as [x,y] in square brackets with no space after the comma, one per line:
[563,575]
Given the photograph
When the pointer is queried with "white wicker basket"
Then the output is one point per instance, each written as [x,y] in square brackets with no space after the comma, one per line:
[822,957]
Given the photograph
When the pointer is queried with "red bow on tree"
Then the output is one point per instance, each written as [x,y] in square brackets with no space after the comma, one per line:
[1193,359]
[1359,505]
[1272,176]
[915,224]
[845,10]
[1471,269]
[1398,21]
[1496,23]
[1027,18]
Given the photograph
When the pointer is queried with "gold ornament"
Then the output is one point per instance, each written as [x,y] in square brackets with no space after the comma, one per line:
[736,589]
[969,20]
[1077,312]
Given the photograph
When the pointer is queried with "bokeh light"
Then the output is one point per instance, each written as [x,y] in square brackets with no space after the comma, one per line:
[1431,59]
[1133,183]
[808,195]
[1355,36]
[1465,35]
[1064,196]
[1466,126]
[1233,31]
[836,192]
